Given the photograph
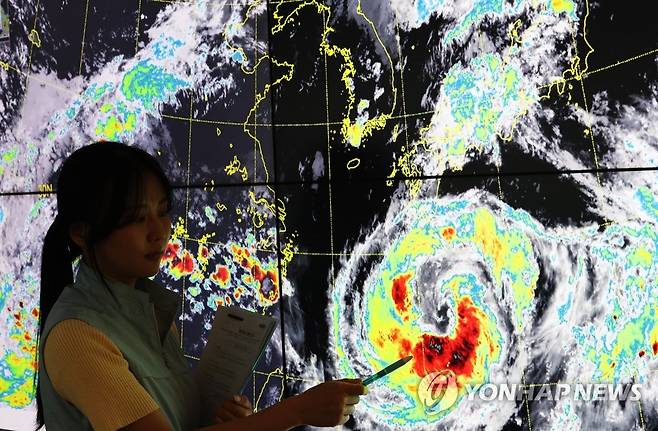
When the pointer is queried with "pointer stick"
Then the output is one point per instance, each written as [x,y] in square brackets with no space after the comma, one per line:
[387,370]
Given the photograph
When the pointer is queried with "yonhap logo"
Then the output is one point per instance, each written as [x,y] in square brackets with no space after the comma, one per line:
[438,391]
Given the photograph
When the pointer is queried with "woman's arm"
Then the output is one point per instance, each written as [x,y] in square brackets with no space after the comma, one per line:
[328,404]
[278,417]
[325,405]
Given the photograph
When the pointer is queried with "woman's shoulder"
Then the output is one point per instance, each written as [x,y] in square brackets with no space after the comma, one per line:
[89,371]
[75,328]
[74,340]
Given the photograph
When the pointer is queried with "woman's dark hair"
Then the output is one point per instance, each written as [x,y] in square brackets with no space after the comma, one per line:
[100,186]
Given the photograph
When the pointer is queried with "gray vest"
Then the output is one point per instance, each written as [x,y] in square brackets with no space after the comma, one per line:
[151,350]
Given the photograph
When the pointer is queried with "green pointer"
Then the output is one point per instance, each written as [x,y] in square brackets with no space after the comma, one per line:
[389,369]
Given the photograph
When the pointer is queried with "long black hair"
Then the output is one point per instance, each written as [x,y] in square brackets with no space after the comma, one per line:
[95,186]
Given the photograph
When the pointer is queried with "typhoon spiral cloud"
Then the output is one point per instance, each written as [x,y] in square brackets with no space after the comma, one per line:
[454,288]
[456,283]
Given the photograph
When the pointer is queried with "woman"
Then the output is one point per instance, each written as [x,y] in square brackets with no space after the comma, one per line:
[109,352]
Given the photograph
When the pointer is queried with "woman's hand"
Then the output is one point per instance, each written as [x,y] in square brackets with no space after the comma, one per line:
[233,408]
[330,403]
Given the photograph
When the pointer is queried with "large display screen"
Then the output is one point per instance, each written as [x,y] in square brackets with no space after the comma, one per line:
[471,182]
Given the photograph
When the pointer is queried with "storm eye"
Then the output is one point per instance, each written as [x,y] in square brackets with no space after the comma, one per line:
[267,286]
[437,347]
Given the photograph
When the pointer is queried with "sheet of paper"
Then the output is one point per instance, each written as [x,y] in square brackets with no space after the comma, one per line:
[236,341]
[4,21]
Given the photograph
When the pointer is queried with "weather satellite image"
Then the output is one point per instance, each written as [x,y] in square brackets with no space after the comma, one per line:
[471,182]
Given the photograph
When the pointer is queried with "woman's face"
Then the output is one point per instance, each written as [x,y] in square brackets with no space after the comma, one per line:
[135,250]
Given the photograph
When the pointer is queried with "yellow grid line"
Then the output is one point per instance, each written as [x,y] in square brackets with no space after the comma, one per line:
[582,88]
[527,407]
[522,385]
[187,204]
[326,100]
[254,124]
[619,63]
[405,115]
[274,373]
[639,406]
[404,101]
[7,66]
[280,375]
[308,253]
[589,132]
[172,1]
[534,385]
[84,35]
[226,4]
[301,379]
[604,68]
[311,253]
[34,28]
[139,20]
[500,189]
[328,132]
[311,124]
[223,244]
[264,385]
[253,374]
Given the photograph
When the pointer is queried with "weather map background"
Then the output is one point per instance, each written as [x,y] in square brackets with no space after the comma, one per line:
[466,181]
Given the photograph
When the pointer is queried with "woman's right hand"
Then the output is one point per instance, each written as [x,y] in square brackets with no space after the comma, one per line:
[330,403]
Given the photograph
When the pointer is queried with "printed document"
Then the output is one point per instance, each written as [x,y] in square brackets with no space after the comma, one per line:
[237,340]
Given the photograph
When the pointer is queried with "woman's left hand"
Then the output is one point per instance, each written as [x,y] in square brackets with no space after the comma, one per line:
[233,408]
